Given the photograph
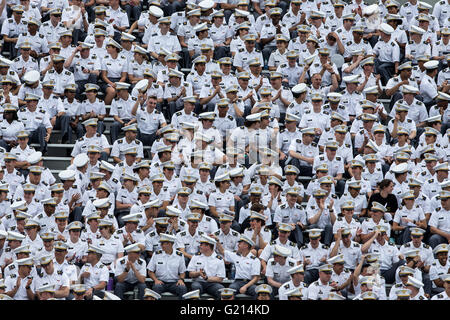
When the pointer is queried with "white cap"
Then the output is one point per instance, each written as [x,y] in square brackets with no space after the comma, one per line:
[81,160]
[384,27]
[155,11]
[433,64]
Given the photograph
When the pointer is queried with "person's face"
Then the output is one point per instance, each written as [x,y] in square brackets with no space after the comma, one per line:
[442,257]
[249,45]
[225,225]
[200,67]
[325,276]
[151,104]
[255,223]
[275,82]
[323,58]
[445,203]
[92,258]
[314,241]
[17,15]
[164,27]
[263,296]
[48,267]
[62,223]
[35,177]
[93,223]
[283,235]
[99,40]
[111,50]
[166,246]
[192,224]
[31,232]
[75,233]
[338,267]
[25,270]
[225,68]
[91,129]
[303,36]
[48,244]
[32,28]
[275,18]
[357,36]
[131,226]
[205,248]
[55,18]
[66,40]
[316,80]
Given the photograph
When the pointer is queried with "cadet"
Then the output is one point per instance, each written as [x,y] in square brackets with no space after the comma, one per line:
[304,151]
[130,233]
[246,263]
[94,274]
[173,94]
[15,240]
[39,45]
[53,27]
[207,269]
[277,266]
[122,144]
[14,26]
[284,230]
[226,236]
[387,54]
[319,290]
[21,286]
[149,119]
[223,121]
[312,254]
[188,240]
[59,75]
[36,122]
[91,138]
[345,246]
[391,258]
[121,109]
[130,272]
[439,221]
[167,268]
[244,56]
[296,282]
[152,243]
[51,276]
[444,295]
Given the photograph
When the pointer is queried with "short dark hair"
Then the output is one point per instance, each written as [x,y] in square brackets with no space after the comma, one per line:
[384,183]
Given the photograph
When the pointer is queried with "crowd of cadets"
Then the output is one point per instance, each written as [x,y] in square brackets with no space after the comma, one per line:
[249,143]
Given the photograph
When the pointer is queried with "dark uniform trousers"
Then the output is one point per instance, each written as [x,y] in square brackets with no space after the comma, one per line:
[389,274]
[122,287]
[211,288]
[115,129]
[304,170]
[119,214]
[326,235]
[147,140]
[62,123]
[311,275]
[80,86]
[77,214]
[385,70]
[239,283]
[133,12]
[38,136]
[436,239]
[170,287]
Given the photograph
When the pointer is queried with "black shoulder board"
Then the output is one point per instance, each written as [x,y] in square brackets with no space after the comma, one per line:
[179,253]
